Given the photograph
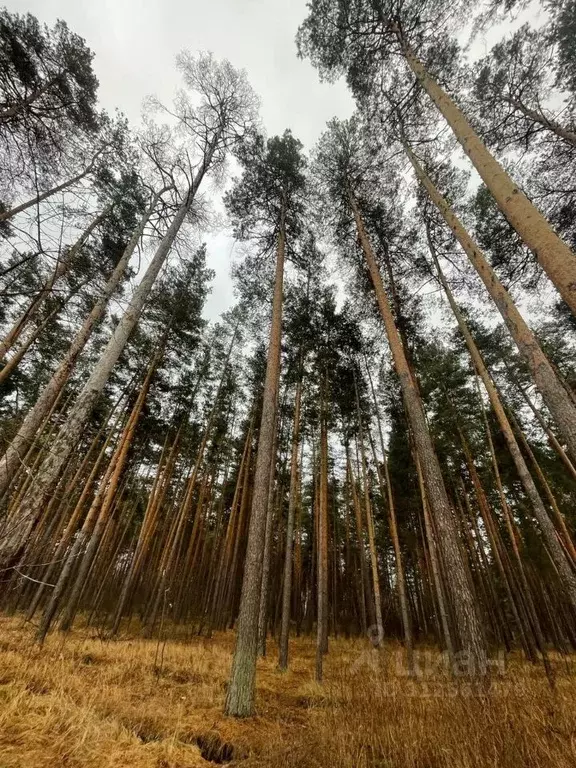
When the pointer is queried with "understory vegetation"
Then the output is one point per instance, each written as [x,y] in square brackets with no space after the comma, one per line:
[83,703]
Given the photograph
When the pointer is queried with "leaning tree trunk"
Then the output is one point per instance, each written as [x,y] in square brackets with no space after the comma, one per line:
[554,394]
[170,553]
[219,590]
[463,599]
[555,257]
[88,537]
[551,436]
[45,195]
[525,590]
[13,363]
[35,416]
[558,516]
[241,690]
[539,117]
[267,553]
[93,538]
[63,266]
[496,545]
[546,525]
[71,526]
[71,430]
[433,548]
[70,558]
[147,528]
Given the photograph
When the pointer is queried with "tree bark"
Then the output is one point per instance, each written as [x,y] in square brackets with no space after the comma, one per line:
[36,414]
[551,436]
[267,553]
[71,525]
[65,262]
[287,584]
[322,547]
[110,494]
[463,599]
[555,257]
[370,528]
[554,394]
[44,195]
[71,431]
[241,689]
[558,516]
[361,544]
[546,526]
[435,568]
[13,363]
[170,552]
[147,529]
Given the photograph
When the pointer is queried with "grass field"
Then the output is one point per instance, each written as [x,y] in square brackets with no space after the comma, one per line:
[132,702]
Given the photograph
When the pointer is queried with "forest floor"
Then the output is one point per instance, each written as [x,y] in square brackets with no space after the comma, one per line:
[91,703]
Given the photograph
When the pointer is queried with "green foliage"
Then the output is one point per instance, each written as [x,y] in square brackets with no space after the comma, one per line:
[47,90]
[269,193]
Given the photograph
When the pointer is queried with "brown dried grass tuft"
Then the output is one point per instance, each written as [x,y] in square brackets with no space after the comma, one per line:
[86,703]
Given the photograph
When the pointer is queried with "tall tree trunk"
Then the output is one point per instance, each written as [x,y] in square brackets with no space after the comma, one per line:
[435,569]
[63,266]
[239,537]
[53,191]
[106,508]
[94,523]
[463,599]
[546,526]
[225,563]
[13,363]
[287,584]
[170,553]
[494,538]
[19,443]
[148,527]
[512,533]
[370,527]
[361,544]
[71,430]
[558,516]
[551,436]
[297,588]
[552,390]
[71,526]
[555,257]
[267,553]
[241,690]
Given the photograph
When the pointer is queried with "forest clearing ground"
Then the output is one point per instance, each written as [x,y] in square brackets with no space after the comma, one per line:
[94,703]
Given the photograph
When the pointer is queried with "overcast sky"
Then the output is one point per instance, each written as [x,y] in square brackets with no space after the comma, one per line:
[135,43]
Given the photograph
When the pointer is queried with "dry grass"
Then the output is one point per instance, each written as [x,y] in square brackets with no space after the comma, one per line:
[88,703]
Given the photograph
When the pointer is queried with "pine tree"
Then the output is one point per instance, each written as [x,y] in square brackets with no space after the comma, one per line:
[265,205]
